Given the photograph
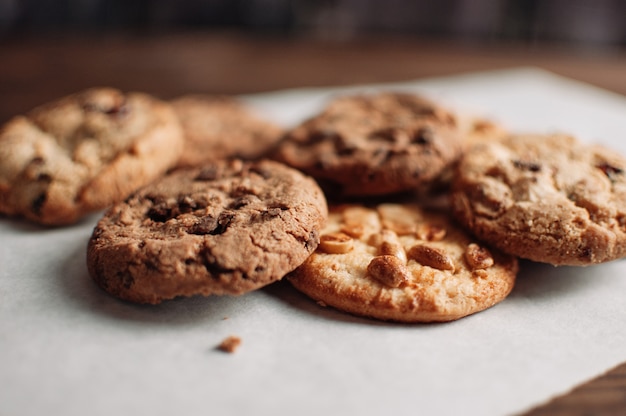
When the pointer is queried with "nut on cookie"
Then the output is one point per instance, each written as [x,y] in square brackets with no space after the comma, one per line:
[394,270]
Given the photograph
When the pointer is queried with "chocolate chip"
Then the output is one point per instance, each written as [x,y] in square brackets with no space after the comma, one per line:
[126,279]
[209,173]
[343,146]
[223,221]
[273,212]
[610,171]
[212,266]
[160,212]
[264,173]
[241,202]
[388,134]
[424,135]
[118,109]
[38,202]
[526,165]
[319,136]
[206,225]
[44,177]
[585,253]
[186,204]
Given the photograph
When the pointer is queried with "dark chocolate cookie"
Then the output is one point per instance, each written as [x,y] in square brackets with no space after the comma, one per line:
[378,144]
[226,228]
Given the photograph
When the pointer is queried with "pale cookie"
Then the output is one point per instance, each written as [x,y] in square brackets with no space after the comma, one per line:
[363,145]
[227,228]
[547,198]
[84,152]
[402,263]
[219,127]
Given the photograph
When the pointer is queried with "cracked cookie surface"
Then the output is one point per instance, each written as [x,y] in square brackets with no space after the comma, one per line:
[547,198]
[218,127]
[402,263]
[226,228]
[84,152]
[377,144]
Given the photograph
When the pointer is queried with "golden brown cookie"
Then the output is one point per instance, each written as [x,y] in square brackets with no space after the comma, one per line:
[84,152]
[227,228]
[218,127]
[547,198]
[402,263]
[363,145]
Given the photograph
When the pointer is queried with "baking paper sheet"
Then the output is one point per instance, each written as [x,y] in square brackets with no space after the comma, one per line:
[67,348]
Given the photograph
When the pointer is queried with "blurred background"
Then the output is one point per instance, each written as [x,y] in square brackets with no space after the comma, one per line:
[49,48]
[601,23]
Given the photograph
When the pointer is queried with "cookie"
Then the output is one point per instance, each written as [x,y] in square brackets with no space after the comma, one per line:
[84,152]
[218,127]
[227,228]
[547,198]
[378,144]
[402,263]
[475,129]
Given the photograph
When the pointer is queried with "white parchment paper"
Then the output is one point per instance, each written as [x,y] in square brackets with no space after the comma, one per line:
[67,348]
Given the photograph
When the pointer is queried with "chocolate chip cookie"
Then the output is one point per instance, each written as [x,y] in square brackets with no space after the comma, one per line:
[84,152]
[378,144]
[403,263]
[226,228]
[218,127]
[547,198]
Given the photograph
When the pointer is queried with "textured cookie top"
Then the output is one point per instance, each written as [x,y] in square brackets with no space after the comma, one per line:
[402,263]
[218,127]
[374,144]
[548,198]
[84,152]
[227,228]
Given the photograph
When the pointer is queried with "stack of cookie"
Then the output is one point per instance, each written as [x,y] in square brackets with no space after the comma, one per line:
[383,205]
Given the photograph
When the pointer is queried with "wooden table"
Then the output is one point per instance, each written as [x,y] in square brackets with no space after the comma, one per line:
[37,70]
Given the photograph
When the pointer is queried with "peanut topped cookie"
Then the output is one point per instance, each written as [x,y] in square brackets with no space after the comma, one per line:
[84,152]
[378,144]
[218,127]
[226,228]
[402,263]
[547,198]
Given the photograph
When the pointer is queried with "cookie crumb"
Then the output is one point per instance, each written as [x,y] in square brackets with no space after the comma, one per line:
[230,344]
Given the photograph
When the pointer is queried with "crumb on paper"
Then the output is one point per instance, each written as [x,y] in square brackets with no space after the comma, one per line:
[230,344]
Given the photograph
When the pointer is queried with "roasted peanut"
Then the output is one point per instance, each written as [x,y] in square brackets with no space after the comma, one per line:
[353,230]
[359,221]
[336,243]
[388,244]
[431,232]
[478,257]
[431,256]
[388,270]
